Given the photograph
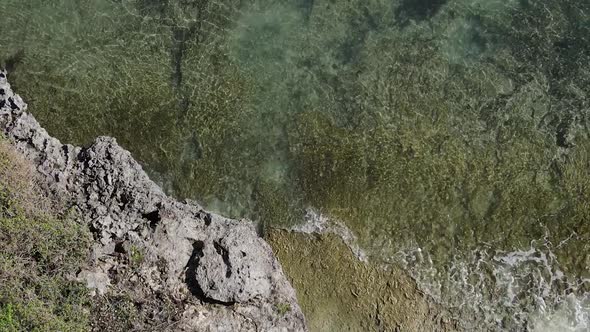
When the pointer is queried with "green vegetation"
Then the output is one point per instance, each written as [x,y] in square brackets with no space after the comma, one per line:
[283,308]
[136,256]
[40,253]
[7,322]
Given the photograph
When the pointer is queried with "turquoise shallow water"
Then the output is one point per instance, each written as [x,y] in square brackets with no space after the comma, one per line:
[450,136]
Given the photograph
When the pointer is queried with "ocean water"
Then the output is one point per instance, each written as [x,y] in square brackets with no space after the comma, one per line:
[449,137]
[513,291]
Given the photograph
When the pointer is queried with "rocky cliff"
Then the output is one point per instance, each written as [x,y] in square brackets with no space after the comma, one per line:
[216,273]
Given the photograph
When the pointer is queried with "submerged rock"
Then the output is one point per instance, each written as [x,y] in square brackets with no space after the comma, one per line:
[217,272]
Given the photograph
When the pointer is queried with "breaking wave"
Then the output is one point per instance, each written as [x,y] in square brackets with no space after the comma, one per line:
[495,290]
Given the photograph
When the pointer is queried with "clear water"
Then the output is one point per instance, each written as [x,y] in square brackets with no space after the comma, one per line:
[448,136]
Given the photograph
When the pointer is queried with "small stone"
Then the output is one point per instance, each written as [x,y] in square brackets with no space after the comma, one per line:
[97,281]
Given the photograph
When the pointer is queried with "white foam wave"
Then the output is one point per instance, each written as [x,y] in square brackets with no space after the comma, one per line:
[319,223]
[492,290]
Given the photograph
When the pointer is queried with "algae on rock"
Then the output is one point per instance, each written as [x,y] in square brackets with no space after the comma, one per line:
[340,293]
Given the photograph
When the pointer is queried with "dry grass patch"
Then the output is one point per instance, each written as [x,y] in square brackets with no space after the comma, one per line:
[40,252]
[20,187]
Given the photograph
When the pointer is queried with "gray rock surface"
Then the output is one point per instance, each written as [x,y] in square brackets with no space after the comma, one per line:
[219,273]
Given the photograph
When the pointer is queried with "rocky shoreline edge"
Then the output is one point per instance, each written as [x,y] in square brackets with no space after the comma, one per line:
[217,272]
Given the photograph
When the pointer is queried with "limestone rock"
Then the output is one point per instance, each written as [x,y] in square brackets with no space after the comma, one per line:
[228,266]
[97,281]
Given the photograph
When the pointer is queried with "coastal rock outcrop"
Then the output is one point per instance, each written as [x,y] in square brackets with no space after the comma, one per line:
[217,273]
